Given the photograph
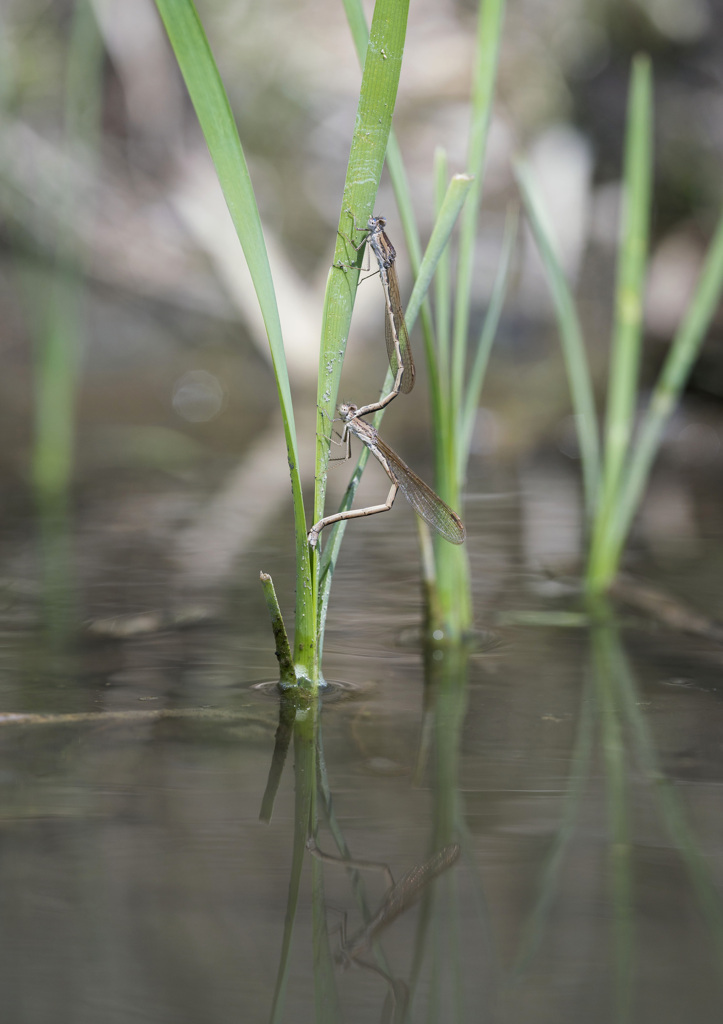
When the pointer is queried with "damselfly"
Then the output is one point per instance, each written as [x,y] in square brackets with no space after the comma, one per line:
[399,898]
[422,498]
[395,329]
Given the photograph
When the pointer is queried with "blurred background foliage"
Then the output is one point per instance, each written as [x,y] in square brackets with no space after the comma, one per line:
[174,392]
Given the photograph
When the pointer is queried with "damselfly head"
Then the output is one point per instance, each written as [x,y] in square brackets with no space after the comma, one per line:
[376,223]
[347,410]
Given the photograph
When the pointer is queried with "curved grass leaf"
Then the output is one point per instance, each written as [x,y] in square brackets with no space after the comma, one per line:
[628,327]
[477,372]
[630,478]
[666,394]
[573,346]
[211,104]
[489,30]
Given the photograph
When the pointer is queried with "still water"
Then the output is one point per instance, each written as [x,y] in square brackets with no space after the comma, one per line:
[579,770]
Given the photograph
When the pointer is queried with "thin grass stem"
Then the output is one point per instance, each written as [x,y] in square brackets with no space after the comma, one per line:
[442,281]
[380,80]
[468,414]
[627,332]
[573,346]
[458,189]
[62,336]
[489,29]
[666,395]
[629,299]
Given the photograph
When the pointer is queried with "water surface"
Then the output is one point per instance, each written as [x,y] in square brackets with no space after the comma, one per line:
[580,770]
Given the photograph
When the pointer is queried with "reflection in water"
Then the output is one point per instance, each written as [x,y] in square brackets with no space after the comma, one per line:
[399,898]
[136,881]
[610,698]
[58,566]
[446,683]
[621,713]
[455,957]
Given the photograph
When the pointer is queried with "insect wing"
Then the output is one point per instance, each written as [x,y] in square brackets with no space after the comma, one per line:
[408,889]
[435,512]
[395,329]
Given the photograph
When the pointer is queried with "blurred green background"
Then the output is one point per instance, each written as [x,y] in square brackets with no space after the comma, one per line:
[162,337]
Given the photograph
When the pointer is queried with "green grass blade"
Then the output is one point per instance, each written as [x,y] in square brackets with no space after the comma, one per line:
[400,184]
[484,347]
[403,197]
[666,394]
[446,402]
[573,347]
[442,280]
[625,356]
[211,104]
[59,330]
[380,80]
[61,338]
[452,585]
[84,77]
[629,301]
[489,29]
[395,164]
[458,190]
[358,25]
[57,371]
[210,101]
[397,174]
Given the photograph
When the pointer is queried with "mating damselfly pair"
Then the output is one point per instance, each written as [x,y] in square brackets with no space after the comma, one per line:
[435,512]
[398,899]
